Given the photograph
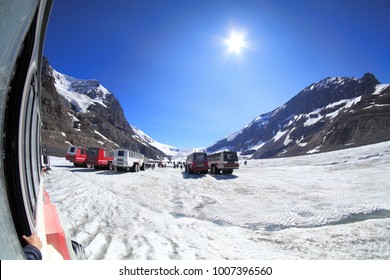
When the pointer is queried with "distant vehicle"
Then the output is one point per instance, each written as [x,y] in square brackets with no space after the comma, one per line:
[125,160]
[100,158]
[77,155]
[197,162]
[225,161]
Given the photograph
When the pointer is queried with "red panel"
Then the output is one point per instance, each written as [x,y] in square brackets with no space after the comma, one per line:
[55,234]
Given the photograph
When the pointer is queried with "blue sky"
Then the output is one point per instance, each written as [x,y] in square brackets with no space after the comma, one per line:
[168,63]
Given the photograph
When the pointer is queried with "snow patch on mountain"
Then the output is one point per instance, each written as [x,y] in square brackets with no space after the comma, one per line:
[261,120]
[171,151]
[379,88]
[315,116]
[279,134]
[329,82]
[105,138]
[80,93]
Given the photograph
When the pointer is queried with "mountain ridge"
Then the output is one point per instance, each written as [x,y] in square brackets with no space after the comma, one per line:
[317,113]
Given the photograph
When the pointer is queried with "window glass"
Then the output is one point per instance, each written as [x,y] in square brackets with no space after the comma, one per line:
[92,152]
[200,157]
[230,156]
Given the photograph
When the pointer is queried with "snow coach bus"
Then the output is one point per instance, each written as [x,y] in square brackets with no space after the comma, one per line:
[225,161]
[100,158]
[125,160]
[25,206]
[197,162]
[77,155]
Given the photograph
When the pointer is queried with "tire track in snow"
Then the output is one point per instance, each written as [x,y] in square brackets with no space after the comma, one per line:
[348,219]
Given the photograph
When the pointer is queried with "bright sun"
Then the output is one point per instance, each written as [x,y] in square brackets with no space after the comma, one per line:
[236,42]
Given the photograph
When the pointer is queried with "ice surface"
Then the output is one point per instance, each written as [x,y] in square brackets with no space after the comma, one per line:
[323,206]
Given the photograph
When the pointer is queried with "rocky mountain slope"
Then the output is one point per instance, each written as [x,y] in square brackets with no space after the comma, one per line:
[84,113]
[335,113]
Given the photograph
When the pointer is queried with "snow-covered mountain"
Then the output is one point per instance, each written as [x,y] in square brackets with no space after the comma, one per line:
[174,153]
[84,113]
[335,113]
[80,93]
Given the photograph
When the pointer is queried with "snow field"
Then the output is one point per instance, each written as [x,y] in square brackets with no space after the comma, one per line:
[321,206]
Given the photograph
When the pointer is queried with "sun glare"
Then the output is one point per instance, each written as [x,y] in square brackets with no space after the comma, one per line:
[236,42]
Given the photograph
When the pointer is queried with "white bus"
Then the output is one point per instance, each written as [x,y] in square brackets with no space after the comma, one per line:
[224,161]
[126,160]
